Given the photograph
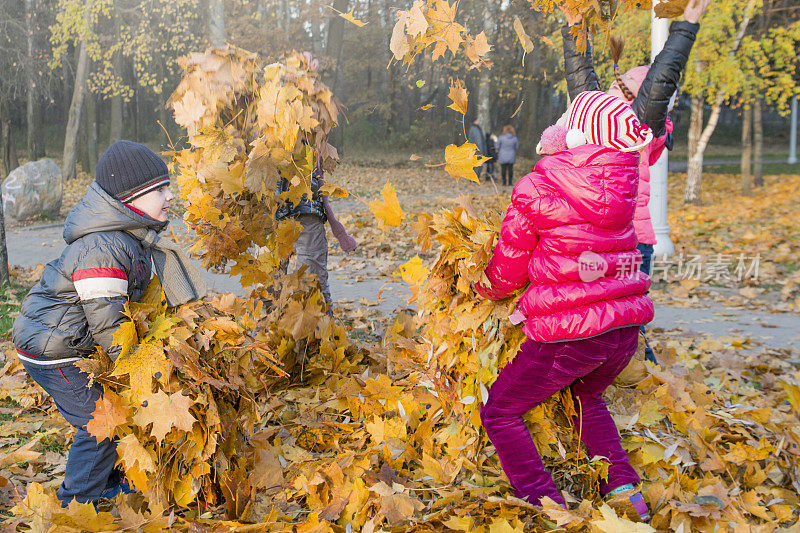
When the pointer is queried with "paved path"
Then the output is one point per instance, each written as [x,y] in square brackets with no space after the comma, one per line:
[32,245]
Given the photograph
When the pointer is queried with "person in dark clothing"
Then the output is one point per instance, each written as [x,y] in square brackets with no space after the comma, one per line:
[476,137]
[650,92]
[113,246]
[491,153]
[507,146]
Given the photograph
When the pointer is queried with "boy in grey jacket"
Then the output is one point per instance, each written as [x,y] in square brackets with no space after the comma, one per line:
[113,242]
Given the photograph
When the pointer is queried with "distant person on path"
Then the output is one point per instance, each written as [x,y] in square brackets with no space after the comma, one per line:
[113,243]
[311,247]
[568,237]
[491,153]
[651,92]
[476,137]
[507,146]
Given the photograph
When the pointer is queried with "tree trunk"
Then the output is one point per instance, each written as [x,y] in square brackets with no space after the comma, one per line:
[5,279]
[333,49]
[695,167]
[75,111]
[6,145]
[32,99]
[88,149]
[7,150]
[747,150]
[115,127]
[485,80]
[216,22]
[287,16]
[758,140]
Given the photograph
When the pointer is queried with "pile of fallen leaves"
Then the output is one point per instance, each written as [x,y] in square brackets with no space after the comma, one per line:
[386,436]
[249,125]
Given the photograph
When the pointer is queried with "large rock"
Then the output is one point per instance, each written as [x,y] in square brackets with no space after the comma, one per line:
[34,189]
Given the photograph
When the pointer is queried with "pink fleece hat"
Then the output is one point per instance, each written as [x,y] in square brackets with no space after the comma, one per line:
[633,78]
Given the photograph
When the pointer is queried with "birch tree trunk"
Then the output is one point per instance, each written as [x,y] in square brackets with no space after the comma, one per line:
[747,150]
[694,167]
[75,111]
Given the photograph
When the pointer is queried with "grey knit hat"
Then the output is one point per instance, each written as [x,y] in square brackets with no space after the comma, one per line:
[128,170]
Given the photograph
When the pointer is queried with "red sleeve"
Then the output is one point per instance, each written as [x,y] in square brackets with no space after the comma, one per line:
[508,269]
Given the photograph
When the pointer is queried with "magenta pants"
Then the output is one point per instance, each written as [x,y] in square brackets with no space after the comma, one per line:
[540,370]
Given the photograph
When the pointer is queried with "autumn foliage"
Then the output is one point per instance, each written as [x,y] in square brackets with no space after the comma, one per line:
[258,413]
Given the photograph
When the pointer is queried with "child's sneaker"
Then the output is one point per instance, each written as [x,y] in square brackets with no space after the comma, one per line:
[628,500]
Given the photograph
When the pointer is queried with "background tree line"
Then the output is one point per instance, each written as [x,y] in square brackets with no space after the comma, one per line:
[78,74]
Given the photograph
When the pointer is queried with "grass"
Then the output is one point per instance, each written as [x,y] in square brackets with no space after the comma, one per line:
[10,299]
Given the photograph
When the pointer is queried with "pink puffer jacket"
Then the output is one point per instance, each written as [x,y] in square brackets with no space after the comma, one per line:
[569,233]
[641,218]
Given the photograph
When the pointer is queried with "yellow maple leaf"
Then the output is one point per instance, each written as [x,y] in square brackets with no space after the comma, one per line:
[350,18]
[125,337]
[611,523]
[461,161]
[443,18]
[189,109]
[413,271]
[458,94]
[477,47]
[524,38]
[388,209]
[109,413]
[136,459]
[165,412]
[148,362]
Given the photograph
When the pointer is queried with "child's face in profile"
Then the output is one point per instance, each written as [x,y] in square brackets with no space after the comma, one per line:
[155,203]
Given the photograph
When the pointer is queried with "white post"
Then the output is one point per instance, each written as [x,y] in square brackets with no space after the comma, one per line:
[793,134]
[659,30]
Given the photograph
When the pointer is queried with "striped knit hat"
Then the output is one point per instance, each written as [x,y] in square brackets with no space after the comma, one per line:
[128,170]
[595,117]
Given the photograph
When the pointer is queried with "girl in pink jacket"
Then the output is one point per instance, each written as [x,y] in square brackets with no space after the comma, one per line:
[569,237]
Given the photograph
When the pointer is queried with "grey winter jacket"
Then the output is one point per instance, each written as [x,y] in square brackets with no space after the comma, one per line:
[507,146]
[79,300]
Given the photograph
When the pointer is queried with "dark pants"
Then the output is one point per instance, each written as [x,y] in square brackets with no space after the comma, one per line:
[90,465]
[507,169]
[490,169]
[647,256]
[537,372]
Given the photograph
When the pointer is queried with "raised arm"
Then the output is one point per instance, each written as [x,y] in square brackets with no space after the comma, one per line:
[652,102]
[578,68]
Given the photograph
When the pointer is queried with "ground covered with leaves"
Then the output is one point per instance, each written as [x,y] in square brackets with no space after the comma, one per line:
[342,435]
[268,412]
